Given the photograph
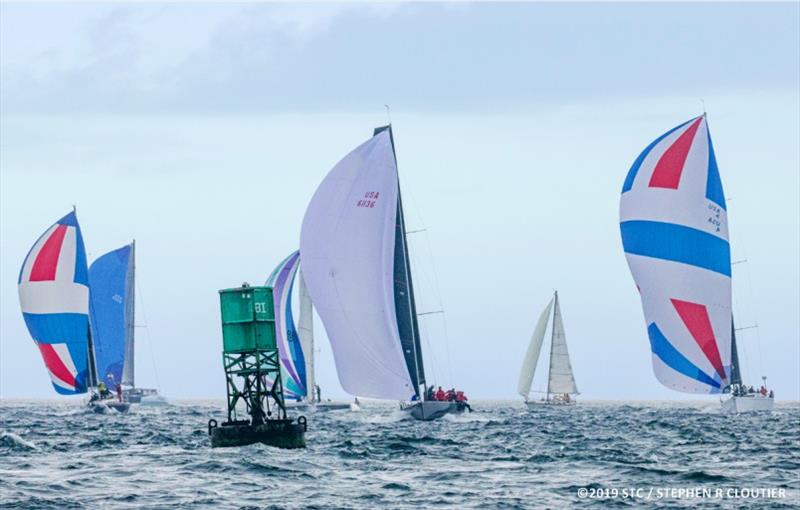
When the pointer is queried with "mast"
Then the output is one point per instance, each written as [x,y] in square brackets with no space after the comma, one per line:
[306,332]
[92,361]
[130,321]
[405,305]
[560,379]
[552,343]
[90,351]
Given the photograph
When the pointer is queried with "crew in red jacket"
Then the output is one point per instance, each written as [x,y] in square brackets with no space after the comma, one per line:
[440,394]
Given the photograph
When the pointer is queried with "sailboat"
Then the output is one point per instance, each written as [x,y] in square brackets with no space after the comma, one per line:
[112,309]
[674,226]
[54,293]
[560,379]
[357,271]
[296,341]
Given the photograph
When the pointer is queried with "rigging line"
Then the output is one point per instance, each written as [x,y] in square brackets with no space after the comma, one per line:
[438,295]
[741,345]
[147,330]
[431,353]
[753,306]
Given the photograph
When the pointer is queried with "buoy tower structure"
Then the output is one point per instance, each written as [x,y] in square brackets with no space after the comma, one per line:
[255,405]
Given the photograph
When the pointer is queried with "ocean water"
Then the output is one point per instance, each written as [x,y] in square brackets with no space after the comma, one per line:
[57,455]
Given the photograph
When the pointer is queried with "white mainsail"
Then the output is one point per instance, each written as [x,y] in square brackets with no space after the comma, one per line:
[560,379]
[347,243]
[305,329]
[532,354]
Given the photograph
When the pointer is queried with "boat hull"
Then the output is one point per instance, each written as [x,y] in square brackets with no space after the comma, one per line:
[278,433]
[153,401]
[433,409]
[104,405]
[135,395]
[319,406]
[534,404]
[748,404]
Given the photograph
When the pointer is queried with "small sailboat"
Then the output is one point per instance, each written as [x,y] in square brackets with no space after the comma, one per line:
[112,307]
[54,292]
[674,226]
[560,379]
[357,271]
[296,341]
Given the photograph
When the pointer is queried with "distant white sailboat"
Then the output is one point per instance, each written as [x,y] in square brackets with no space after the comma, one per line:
[560,379]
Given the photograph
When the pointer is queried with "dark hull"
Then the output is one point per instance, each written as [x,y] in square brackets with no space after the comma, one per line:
[433,410]
[278,433]
[102,406]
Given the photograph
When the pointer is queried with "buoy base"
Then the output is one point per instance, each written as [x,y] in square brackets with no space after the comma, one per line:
[278,433]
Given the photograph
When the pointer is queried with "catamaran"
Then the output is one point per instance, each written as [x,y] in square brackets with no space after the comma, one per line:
[53,286]
[296,341]
[112,309]
[560,379]
[357,270]
[674,225]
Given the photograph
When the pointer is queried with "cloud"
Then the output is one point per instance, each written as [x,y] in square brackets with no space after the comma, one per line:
[262,58]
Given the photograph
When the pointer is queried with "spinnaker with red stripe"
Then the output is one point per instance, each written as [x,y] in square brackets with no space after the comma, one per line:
[53,289]
[674,225]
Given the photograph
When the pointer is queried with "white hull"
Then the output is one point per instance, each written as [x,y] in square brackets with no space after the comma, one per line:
[318,406]
[533,404]
[154,401]
[747,404]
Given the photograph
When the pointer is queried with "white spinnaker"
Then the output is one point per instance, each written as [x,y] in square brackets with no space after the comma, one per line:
[561,379]
[532,354]
[347,244]
[305,329]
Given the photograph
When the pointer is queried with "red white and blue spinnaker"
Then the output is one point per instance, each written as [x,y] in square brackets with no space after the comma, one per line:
[54,297]
[674,226]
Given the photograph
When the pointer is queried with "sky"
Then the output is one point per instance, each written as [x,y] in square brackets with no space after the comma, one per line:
[202,131]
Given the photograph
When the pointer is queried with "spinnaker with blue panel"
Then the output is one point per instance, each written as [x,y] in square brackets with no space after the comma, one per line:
[293,360]
[111,294]
[357,271]
[53,289]
[674,226]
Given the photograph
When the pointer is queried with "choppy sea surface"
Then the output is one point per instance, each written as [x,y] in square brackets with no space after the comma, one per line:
[60,455]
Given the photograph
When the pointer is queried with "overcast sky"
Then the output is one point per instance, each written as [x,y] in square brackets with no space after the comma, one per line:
[203,130]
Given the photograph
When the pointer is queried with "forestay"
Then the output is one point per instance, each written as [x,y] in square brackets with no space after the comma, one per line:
[532,354]
[674,229]
[348,245]
[111,312]
[53,289]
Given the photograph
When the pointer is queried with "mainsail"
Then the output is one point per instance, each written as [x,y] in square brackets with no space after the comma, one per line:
[674,229]
[293,365]
[736,368]
[111,312]
[54,297]
[532,354]
[560,378]
[349,241]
